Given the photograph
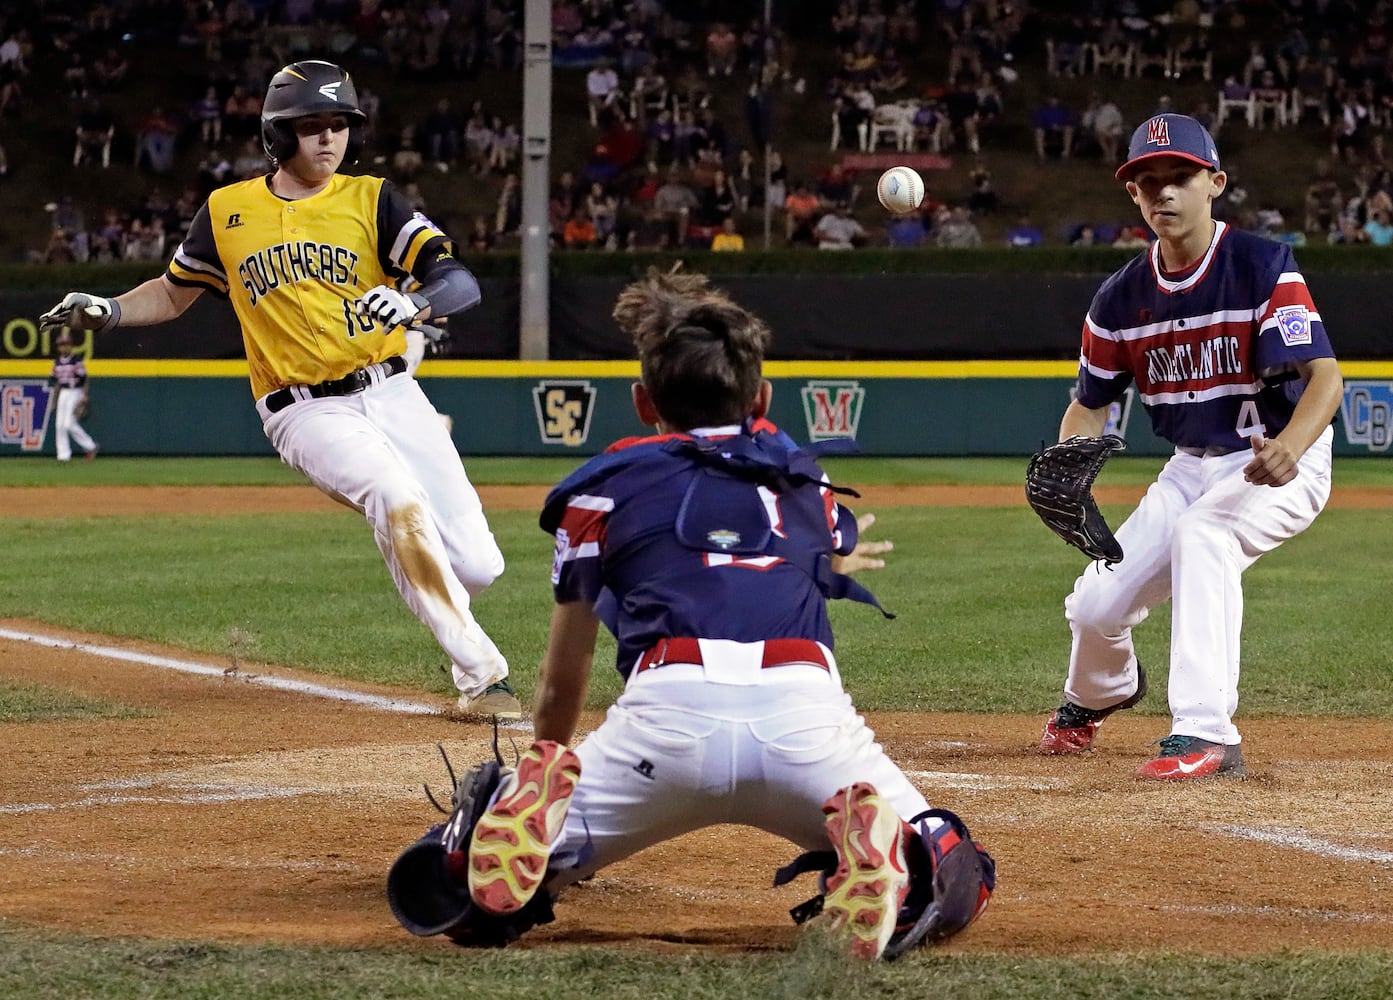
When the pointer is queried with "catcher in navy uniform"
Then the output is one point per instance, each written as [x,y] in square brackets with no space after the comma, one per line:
[710,550]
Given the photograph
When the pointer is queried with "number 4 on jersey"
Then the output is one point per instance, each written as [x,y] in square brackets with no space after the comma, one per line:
[1249,423]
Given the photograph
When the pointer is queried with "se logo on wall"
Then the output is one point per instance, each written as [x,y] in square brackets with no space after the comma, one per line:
[564,409]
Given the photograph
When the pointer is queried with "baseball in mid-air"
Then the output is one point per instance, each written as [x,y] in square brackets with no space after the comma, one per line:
[900,189]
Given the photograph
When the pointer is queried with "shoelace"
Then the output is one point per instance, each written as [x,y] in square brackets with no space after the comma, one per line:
[1174,746]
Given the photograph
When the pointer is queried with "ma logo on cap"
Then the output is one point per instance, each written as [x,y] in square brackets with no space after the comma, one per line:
[1158,132]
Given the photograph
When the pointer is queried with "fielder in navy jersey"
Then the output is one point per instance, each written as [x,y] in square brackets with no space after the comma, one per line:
[710,549]
[1217,330]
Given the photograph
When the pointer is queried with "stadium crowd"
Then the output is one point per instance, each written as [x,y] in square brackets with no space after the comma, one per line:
[679,111]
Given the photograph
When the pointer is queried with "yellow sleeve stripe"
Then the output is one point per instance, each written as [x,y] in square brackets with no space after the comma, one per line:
[414,235]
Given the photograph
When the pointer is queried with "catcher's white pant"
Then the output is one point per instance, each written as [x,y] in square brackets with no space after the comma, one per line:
[1196,530]
[66,429]
[385,453]
[687,746]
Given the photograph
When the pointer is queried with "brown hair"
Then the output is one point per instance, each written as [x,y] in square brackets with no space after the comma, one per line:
[701,356]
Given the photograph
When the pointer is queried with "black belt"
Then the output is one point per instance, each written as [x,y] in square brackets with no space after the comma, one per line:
[354,381]
[1216,451]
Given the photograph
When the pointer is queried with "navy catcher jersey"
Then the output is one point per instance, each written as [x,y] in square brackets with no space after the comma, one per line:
[68,373]
[1213,350]
[724,533]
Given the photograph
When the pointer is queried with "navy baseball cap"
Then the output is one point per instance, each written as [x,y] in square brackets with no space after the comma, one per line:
[1170,135]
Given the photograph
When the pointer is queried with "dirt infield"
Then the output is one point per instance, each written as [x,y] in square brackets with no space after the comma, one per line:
[225,810]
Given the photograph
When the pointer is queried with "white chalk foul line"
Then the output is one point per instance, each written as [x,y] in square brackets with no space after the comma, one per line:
[381,702]
[1304,842]
[981,782]
[189,798]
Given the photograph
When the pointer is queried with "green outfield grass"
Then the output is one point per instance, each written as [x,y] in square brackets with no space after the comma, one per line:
[1123,470]
[978,596]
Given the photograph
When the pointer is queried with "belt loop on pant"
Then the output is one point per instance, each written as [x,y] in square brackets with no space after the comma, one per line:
[777,653]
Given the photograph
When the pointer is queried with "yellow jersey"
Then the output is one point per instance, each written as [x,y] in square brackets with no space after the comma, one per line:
[293,268]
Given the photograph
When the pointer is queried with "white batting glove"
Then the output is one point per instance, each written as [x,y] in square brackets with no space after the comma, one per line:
[389,306]
[80,311]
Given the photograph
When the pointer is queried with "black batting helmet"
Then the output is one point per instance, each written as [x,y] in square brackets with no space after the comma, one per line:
[308,87]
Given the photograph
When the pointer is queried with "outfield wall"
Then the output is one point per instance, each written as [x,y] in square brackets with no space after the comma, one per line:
[533,408]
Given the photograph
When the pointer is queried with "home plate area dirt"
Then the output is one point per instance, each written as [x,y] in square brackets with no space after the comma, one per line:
[226,810]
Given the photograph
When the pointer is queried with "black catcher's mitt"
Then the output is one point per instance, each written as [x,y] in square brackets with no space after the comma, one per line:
[1059,486]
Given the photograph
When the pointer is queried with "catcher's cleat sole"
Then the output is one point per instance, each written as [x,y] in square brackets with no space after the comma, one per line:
[1071,728]
[1185,758]
[863,896]
[513,839]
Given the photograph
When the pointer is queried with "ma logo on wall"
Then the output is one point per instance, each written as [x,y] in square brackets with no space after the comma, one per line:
[24,406]
[832,408]
[564,409]
[1367,413]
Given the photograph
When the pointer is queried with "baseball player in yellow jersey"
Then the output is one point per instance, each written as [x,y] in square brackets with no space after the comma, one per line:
[310,260]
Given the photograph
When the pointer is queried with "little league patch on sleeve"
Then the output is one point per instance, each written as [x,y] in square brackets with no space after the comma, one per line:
[1295,324]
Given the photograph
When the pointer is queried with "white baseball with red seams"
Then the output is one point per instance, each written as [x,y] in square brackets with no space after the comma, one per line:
[900,190]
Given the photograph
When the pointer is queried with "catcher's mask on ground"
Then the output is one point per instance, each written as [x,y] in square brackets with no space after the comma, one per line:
[308,87]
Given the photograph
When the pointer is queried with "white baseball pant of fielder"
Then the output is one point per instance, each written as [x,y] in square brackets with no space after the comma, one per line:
[1196,530]
[66,428]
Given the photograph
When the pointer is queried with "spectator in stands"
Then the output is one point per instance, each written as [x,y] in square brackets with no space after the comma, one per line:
[441,134]
[603,208]
[990,104]
[507,216]
[722,47]
[506,147]
[1347,232]
[1084,236]
[76,76]
[802,208]
[480,238]
[729,238]
[109,71]
[1132,237]
[250,161]
[207,111]
[242,114]
[214,170]
[1054,125]
[660,139]
[407,159]
[146,240]
[675,201]
[837,186]
[905,232]
[155,141]
[95,129]
[956,229]
[902,26]
[579,232]
[1379,229]
[961,105]
[1102,123]
[1024,233]
[890,76]
[778,180]
[930,126]
[1323,199]
[59,249]
[478,140]
[601,90]
[983,199]
[717,201]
